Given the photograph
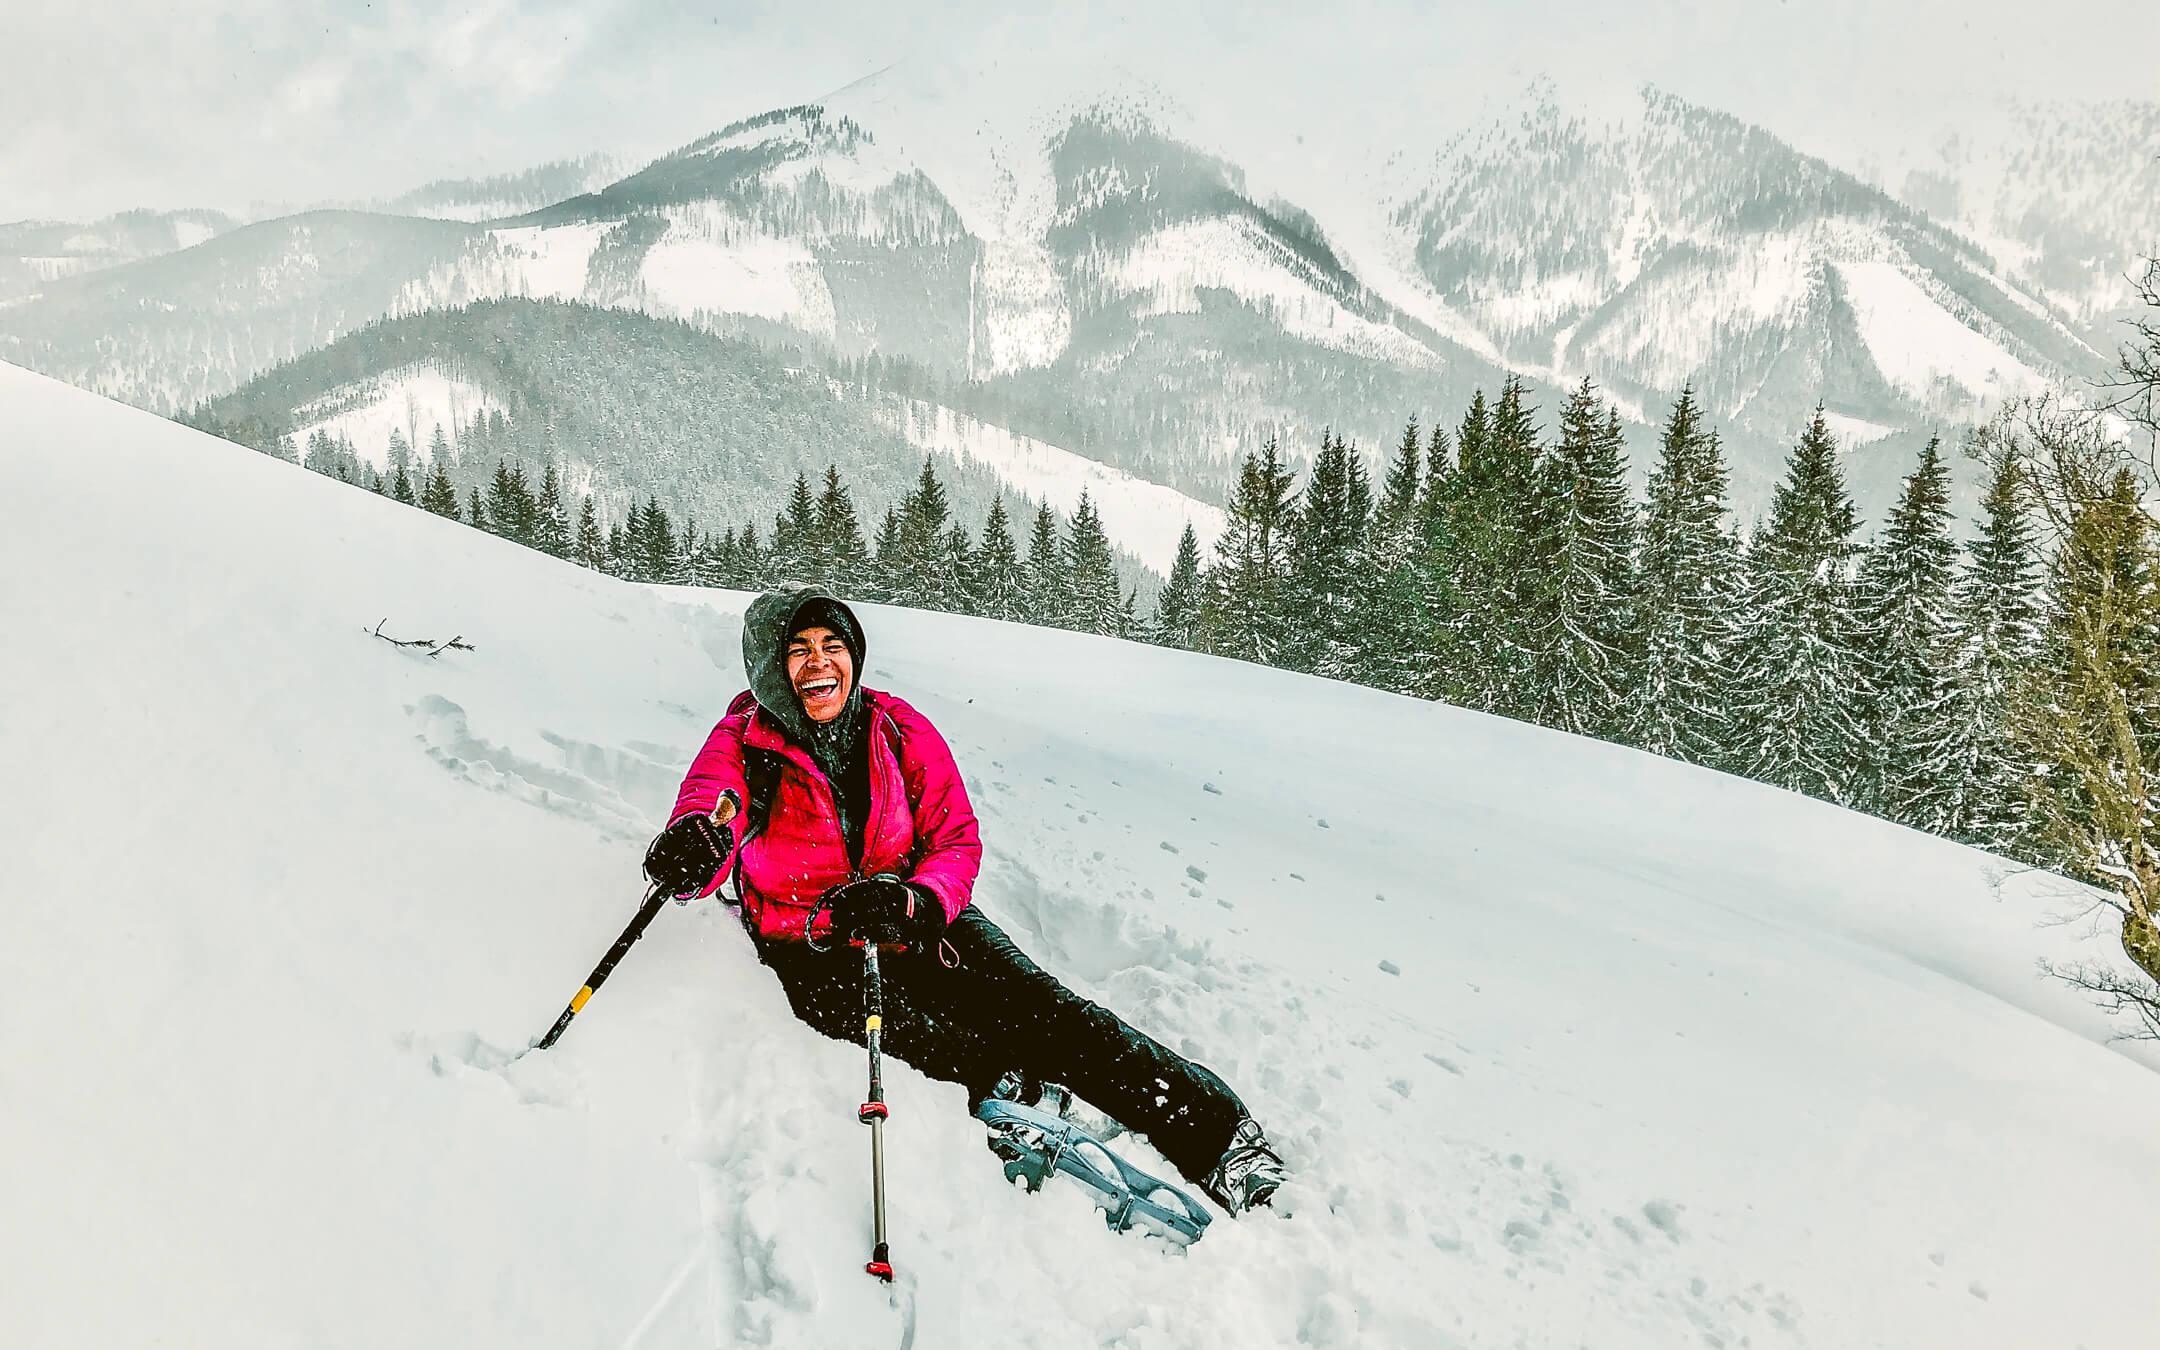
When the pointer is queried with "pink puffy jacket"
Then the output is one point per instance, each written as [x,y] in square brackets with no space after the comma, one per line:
[920,823]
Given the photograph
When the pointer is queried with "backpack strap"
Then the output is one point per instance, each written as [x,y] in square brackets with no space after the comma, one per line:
[761,780]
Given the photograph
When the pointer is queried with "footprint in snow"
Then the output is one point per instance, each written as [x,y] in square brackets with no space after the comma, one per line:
[1664,1215]
[615,788]
[533,1078]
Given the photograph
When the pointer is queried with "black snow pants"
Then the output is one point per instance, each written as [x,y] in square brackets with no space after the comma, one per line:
[997,1010]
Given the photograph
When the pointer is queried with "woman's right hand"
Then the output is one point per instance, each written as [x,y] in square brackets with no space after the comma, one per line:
[684,858]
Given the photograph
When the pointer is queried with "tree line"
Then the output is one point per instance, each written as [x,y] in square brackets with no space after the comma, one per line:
[1497,566]
[1506,568]
[2003,691]
[1063,575]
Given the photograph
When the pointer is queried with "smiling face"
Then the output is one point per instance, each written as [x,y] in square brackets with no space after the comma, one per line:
[820,671]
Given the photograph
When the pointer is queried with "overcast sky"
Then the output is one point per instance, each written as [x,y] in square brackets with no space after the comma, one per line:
[110,104]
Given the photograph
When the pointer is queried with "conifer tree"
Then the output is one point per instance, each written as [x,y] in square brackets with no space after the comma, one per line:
[551,518]
[653,548]
[839,534]
[440,495]
[1399,491]
[1997,637]
[1094,599]
[795,551]
[753,562]
[1325,546]
[914,569]
[890,563]
[1044,570]
[401,487]
[998,588]
[1436,490]
[1584,642]
[884,560]
[707,559]
[475,513]
[591,544]
[682,564]
[953,566]
[1908,753]
[1246,612]
[1511,455]
[439,452]
[1797,667]
[629,547]
[1177,605]
[1494,573]
[510,504]
[1688,583]
[1393,643]
[720,565]
[1472,436]
[1438,616]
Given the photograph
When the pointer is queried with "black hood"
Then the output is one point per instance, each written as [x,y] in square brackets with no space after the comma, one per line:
[767,625]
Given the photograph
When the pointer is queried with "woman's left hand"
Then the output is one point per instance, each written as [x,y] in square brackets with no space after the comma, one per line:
[884,909]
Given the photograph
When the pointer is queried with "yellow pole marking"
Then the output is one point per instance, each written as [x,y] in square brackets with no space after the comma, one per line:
[578,1003]
[874,1024]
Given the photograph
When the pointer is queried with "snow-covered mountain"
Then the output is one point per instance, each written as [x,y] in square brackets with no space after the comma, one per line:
[1565,1044]
[507,194]
[1089,263]
[36,253]
[629,406]
[167,332]
[1680,244]
[2061,194]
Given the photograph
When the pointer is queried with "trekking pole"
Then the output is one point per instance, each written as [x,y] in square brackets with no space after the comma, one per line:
[873,1111]
[654,898]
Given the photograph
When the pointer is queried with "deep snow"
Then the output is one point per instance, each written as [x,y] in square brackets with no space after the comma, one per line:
[1565,1044]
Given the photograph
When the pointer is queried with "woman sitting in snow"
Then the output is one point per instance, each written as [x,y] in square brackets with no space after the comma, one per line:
[869,831]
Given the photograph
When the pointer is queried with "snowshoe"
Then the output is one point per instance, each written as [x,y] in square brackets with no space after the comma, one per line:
[1035,1144]
[1057,1099]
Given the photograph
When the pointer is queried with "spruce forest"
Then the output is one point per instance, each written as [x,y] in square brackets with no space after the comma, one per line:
[2002,690]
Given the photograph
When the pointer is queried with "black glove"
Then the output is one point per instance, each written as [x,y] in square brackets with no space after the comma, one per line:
[684,858]
[886,910]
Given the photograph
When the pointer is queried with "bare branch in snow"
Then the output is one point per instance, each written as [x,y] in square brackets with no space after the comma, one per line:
[455,644]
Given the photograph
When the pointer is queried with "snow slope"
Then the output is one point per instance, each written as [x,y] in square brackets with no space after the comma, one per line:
[1917,344]
[1171,269]
[413,401]
[1146,518]
[551,260]
[1566,1045]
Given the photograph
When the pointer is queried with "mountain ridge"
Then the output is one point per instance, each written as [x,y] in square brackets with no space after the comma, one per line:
[1094,254]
